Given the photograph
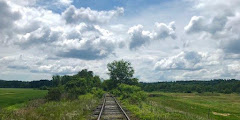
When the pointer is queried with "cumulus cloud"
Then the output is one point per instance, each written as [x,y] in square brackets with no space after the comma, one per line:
[45,30]
[72,15]
[196,24]
[43,35]
[200,24]
[230,38]
[215,15]
[220,20]
[64,41]
[87,42]
[163,31]
[221,28]
[182,61]
[140,37]
[7,21]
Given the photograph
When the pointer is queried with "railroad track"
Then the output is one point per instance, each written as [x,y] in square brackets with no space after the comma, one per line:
[110,110]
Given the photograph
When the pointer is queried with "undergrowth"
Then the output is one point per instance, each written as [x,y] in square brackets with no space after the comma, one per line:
[78,109]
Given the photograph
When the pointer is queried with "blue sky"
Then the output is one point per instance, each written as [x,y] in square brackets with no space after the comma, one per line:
[165,40]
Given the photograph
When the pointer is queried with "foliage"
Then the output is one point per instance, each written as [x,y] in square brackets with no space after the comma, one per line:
[73,86]
[43,88]
[76,87]
[108,85]
[25,84]
[55,93]
[121,72]
[131,93]
[98,92]
[220,86]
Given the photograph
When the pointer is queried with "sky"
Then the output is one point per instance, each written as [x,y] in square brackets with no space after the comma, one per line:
[165,40]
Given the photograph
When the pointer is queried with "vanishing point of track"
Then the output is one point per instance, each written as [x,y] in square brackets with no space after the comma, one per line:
[111,109]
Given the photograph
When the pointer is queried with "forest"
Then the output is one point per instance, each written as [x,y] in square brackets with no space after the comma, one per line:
[25,84]
[217,85]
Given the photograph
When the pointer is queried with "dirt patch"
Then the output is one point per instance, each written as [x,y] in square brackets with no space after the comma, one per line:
[221,114]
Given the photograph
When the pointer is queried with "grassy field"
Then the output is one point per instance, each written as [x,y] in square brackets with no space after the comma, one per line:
[79,109]
[188,106]
[15,97]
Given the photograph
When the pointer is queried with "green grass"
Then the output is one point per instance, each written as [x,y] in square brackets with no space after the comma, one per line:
[13,98]
[188,106]
[79,109]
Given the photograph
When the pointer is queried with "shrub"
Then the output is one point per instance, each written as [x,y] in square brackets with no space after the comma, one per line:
[43,87]
[54,94]
[97,92]
[77,87]
[131,93]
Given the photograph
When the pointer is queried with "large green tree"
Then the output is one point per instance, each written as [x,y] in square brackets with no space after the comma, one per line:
[121,72]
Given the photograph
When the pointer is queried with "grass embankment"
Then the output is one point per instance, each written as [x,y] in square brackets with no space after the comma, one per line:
[188,106]
[40,109]
[13,98]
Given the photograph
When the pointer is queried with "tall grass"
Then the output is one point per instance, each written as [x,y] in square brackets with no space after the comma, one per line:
[78,109]
[184,106]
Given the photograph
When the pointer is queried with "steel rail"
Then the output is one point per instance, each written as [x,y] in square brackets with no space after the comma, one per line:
[125,114]
[103,105]
[119,106]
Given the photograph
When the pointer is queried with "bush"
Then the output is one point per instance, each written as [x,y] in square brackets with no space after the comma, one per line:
[97,92]
[77,87]
[54,94]
[43,87]
[131,93]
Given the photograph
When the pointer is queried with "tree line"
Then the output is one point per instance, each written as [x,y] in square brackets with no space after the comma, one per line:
[217,85]
[121,73]
[25,84]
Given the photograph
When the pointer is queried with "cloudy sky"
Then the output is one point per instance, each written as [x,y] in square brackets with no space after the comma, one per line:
[165,40]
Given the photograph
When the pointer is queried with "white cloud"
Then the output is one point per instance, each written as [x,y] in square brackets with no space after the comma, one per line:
[87,42]
[220,21]
[163,31]
[196,24]
[183,61]
[217,7]
[7,21]
[72,15]
[24,2]
[140,37]
[200,24]
[56,37]
[66,2]
[44,30]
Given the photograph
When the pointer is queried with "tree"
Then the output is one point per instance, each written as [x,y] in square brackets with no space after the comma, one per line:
[85,73]
[121,72]
[56,80]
